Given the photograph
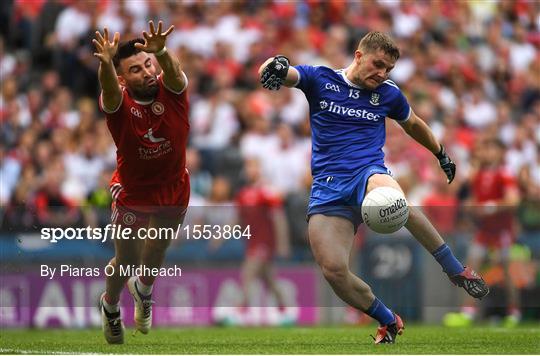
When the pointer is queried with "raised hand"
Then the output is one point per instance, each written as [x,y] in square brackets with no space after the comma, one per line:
[274,74]
[155,40]
[106,49]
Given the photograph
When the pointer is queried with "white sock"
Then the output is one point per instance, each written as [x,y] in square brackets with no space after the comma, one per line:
[111,308]
[143,288]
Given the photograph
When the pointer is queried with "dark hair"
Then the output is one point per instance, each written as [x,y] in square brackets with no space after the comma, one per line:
[126,49]
[375,40]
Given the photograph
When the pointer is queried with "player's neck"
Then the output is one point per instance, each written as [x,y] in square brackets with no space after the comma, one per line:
[349,74]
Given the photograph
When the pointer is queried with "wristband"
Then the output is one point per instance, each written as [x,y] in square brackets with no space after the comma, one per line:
[161,52]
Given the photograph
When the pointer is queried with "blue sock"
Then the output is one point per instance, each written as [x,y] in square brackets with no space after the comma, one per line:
[447,260]
[380,312]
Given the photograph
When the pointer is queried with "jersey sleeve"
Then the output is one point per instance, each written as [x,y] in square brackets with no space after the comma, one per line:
[160,78]
[110,112]
[306,78]
[401,110]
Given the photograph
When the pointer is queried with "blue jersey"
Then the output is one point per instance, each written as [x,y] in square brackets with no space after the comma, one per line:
[347,121]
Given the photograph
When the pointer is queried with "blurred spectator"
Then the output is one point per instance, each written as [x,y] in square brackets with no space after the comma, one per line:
[59,112]
[83,168]
[10,168]
[522,151]
[287,162]
[213,121]
[260,210]
[43,34]
[478,111]
[52,206]
[200,180]
[14,113]
[7,61]
[219,208]
[73,22]
[522,53]
[529,209]
[20,211]
[258,139]
[97,204]
[493,202]
[441,207]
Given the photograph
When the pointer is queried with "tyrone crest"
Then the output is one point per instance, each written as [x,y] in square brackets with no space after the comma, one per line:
[158,108]
[374,99]
[129,218]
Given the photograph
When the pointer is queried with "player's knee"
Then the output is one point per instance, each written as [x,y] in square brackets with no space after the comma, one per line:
[334,271]
[382,180]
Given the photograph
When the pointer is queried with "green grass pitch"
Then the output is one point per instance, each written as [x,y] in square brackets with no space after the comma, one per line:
[316,340]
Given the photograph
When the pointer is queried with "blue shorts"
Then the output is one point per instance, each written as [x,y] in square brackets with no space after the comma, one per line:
[342,196]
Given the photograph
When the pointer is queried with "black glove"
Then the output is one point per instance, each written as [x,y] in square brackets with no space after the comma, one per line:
[447,165]
[275,72]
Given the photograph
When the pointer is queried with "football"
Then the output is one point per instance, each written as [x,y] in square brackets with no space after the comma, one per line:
[385,210]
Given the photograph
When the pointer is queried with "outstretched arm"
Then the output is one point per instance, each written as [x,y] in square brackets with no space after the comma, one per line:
[421,132]
[173,77]
[276,71]
[108,79]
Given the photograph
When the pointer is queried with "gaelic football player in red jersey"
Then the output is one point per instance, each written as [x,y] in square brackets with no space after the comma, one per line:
[260,208]
[494,199]
[147,115]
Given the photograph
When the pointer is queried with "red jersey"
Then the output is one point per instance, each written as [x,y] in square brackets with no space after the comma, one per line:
[489,185]
[150,137]
[255,206]
[442,211]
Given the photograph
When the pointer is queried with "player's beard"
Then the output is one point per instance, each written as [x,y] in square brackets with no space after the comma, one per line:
[145,92]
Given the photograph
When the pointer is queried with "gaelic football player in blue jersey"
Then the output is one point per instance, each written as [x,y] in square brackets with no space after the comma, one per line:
[348,110]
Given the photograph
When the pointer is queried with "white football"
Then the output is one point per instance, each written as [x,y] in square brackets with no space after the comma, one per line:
[385,210]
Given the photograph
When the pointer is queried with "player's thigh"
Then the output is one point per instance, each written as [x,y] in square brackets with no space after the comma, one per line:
[128,247]
[331,240]
[381,180]
[165,229]
[128,251]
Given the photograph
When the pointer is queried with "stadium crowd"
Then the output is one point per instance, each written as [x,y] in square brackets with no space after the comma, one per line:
[470,69]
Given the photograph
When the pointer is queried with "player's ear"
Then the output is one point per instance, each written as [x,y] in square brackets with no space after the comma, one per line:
[357,55]
[121,81]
